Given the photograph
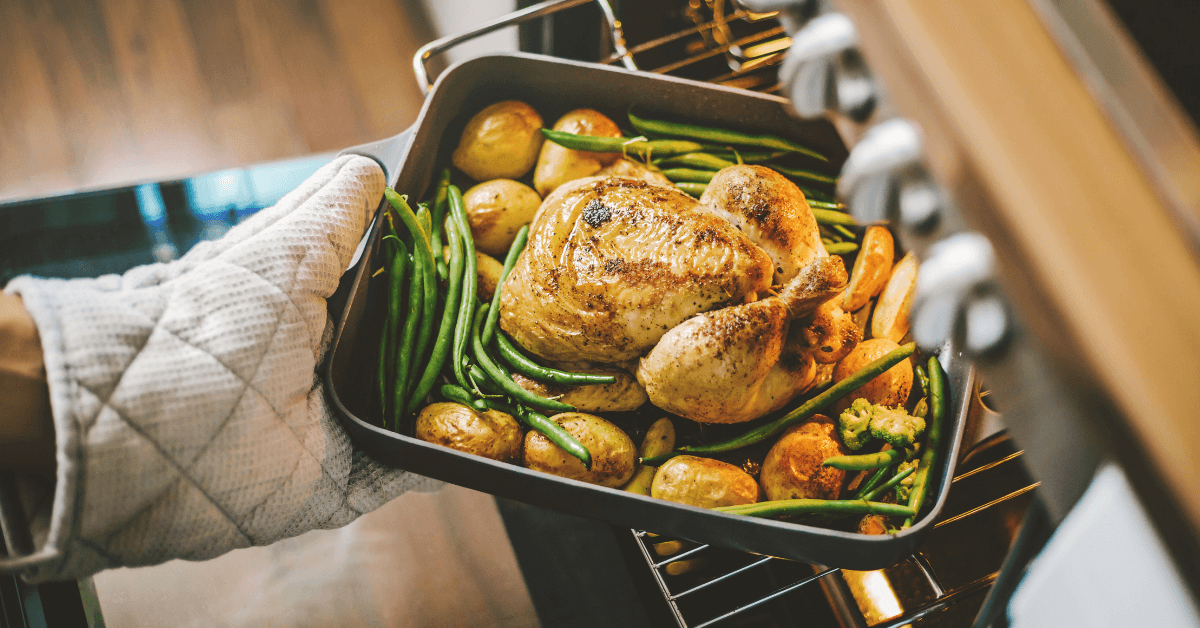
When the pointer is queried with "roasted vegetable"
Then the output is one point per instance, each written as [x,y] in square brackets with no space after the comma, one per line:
[500,142]
[871,270]
[793,468]
[557,164]
[490,434]
[905,485]
[895,426]
[703,482]
[890,319]
[890,388]
[864,420]
[497,210]
[659,439]
[613,452]
[854,424]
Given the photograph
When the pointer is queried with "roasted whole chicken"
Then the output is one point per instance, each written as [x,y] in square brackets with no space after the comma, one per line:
[627,272]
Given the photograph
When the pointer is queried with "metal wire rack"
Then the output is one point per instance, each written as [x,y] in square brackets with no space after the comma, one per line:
[723,577]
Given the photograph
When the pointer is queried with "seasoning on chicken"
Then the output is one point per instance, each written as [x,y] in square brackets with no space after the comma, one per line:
[612,264]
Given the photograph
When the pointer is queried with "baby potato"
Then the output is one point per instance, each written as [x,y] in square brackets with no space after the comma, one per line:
[613,452]
[871,268]
[703,482]
[497,210]
[500,142]
[490,434]
[890,388]
[557,165]
[792,469]
[488,270]
[890,319]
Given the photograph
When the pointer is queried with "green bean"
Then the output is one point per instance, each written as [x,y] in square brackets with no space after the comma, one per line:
[554,432]
[678,175]
[841,248]
[830,217]
[462,329]
[922,379]
[876,492]
[719,136]
[938,407]
[747,157]
[786,507]
[872,482]
[861,462]
[424,285]
[397,274]
[638,146]
[533,370]
[846,233]
[477,376]
[404,360]
[694,189]
[461,395]
[514,251]
[798,173]
[504,381]
[388,335]
[429,305]
[802,413]
[701,161]
[441,346]
[825,205]
[815,194]
[439,215]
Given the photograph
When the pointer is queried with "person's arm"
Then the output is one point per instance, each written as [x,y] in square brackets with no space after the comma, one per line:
[26,426]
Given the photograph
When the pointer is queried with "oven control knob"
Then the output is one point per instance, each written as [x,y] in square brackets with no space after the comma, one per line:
[823,71]
[884,174]
[957,296]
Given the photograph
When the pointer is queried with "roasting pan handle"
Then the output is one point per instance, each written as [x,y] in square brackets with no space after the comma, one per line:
[541,9]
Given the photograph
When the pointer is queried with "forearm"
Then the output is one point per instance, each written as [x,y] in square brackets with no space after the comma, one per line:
[26,426]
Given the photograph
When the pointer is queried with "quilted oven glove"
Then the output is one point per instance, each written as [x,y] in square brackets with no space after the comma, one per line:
[189,418]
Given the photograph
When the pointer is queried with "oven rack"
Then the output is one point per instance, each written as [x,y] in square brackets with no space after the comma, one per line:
[834,588]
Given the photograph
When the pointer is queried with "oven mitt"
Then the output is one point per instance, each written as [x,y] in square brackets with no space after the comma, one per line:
[190,419]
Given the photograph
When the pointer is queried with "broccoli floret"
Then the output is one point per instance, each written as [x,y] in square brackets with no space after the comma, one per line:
[854,425]
[904,487]
[895,426]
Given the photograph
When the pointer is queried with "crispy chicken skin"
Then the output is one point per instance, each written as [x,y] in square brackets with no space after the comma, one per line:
[772,211]
[736,364]
[613,263]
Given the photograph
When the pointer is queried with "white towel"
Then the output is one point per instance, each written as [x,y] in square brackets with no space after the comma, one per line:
[189,417]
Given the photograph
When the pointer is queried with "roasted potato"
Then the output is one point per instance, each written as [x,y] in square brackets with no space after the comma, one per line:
[488,270]
[613,452]
[623,395]
[792,469]
[871,268]
[497,210]
[703,482]
[659,440]
[890,319]
[890,388]
[557,165]
[830,331]
[490,434]
[500,142]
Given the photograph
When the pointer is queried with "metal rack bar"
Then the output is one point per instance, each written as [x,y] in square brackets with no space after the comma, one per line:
[770,596]
[762,561]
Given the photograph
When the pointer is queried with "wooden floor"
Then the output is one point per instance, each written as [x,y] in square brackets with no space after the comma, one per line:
[97,93]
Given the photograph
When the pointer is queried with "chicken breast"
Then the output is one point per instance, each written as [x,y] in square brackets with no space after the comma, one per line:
[614,263]
[772,211]
[736,364]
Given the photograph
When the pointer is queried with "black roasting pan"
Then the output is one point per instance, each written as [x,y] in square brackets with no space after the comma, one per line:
[554,86]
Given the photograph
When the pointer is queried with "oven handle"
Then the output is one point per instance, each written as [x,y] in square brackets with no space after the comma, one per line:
[541,9]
